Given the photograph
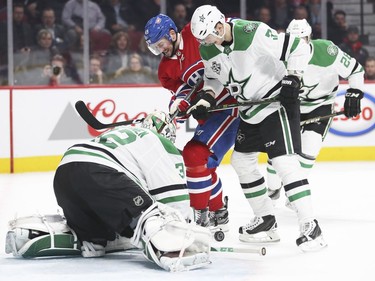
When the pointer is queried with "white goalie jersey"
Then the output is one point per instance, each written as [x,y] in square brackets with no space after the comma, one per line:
[158,169]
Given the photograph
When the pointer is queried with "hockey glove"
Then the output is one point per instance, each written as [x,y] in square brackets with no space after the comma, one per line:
[181,105]
[352,105]
[200,109]
[289,92]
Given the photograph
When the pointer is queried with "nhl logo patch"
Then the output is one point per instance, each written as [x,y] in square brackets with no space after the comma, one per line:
[138,201]
[250,27]
[332,50]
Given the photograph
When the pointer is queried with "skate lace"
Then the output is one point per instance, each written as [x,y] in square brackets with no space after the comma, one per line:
[253,223]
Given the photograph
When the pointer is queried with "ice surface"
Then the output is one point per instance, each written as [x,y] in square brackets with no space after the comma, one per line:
[344,203]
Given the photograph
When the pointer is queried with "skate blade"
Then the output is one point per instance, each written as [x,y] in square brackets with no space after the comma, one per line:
[261,237]
[313,245]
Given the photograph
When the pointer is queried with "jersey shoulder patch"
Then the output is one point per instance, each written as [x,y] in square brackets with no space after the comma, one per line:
[324,52]
[243,33]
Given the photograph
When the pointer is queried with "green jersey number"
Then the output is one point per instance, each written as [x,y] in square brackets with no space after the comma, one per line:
[345,60]
[115,138]
[181,169]
[270,34]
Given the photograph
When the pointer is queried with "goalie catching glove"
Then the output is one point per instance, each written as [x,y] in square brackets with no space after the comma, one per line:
[200,109]
[170,242]
[352,105]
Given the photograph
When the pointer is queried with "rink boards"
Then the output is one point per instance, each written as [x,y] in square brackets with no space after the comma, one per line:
[37,125]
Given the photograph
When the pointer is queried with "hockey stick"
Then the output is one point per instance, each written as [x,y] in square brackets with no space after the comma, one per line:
[256,250]
[246,103]
[318,118]
[90,119]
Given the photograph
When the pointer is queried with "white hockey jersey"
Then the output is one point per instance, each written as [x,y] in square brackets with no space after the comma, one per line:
[149,159]
[252,65]
[321,78]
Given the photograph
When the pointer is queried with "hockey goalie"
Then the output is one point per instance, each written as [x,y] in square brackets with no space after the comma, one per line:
[125,189]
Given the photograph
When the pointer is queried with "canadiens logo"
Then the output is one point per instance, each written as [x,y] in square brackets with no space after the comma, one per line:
[249,27]
[216,67]
[332,50]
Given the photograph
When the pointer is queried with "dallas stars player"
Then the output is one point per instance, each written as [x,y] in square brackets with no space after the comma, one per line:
[247,58]
[319,86]
[128,182]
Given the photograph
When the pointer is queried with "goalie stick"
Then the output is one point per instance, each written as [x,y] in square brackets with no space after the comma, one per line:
[318,118]
[255,250]
[90,119]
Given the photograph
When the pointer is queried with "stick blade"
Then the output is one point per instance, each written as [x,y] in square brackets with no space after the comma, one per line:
[86,115]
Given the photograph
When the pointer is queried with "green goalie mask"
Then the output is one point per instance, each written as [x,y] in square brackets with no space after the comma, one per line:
[159,122]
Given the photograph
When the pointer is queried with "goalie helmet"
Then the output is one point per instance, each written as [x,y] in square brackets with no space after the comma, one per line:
[158,121]
[156,29]
[204,20]
[300,28]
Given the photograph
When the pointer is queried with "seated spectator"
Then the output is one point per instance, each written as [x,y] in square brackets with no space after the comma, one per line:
[179,15]
[118,54]
[353,46]
[149,59]
[337,30]
[314,7]
[96,75]
[114,12]
[54,73]
[72,18]
[136,73]
[264,15]
[57,30]
[281,13]
[370,69]
[22,37]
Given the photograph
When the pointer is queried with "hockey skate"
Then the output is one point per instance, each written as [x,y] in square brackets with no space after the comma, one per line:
[201,217]
[260,230]
[219,221]
[311,238]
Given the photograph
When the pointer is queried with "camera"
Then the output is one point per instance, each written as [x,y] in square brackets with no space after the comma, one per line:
[56,70]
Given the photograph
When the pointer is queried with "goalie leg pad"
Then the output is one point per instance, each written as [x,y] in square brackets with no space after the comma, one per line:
[41,236]
[170,242]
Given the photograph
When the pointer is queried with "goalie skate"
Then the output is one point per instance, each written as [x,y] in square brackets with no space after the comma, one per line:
[260,230]
[311,238]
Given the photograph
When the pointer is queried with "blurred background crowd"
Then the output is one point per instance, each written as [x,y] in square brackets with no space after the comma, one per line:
[71,42]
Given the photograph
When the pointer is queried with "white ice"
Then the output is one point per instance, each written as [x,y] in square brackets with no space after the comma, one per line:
[344,203]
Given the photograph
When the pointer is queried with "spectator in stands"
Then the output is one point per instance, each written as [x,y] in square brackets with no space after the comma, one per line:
[40,55]
[179,15]
[22,36]
[149,59]
[72,18]
[97,76]
[263,14]
[54,73]
[118,55]
[136,73]
[300,12]
[370,69]
[114,12]
[314,7]
[281,13]
[353,46]
[57,30]
[138,12]
[337,30]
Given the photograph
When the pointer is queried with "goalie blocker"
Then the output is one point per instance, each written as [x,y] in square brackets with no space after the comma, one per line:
[161,233]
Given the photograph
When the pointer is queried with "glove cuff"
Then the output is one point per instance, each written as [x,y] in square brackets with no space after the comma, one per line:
[354,93]
[291,81]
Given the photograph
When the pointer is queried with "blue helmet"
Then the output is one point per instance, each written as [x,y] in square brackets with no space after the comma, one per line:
[157,28]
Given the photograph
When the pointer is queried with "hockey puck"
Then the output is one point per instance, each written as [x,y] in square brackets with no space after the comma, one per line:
[219,236]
